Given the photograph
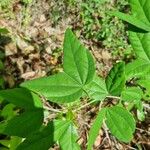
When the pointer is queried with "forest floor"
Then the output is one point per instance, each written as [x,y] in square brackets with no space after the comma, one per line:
[33,49]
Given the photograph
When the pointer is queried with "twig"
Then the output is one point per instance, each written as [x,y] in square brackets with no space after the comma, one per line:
[87,104]
[146,106]
[142,130]
[52,109]
[131,147]
[115,97]
[106,132]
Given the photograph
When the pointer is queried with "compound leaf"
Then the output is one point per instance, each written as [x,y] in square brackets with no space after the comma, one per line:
[115,81]
[120,123]
[79,70]
[94,131]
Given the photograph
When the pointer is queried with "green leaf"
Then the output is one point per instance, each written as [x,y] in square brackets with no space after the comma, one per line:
[132,94]
[27,1]
[21,97]
[57,88]
[97,89]
[140,9]
[115,81]
[137,68]
[140,44]
[41,140]
[5,143]
[8,111]
[1,82]
[140,14]
[14,142]
[145,83]
[60,127]
[78,63]
[1,65]
[120,123]
[24,124]
[94,131]
[132,20]
[3,31]
[53,132]
[79,70]
[69,138]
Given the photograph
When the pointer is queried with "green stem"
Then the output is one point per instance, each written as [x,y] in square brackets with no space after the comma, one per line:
[87,104]
[114,97]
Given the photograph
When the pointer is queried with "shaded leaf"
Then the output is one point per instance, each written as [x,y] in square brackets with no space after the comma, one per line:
[21,97]
[24,124]
[40,140]
[1,65]
[45,138]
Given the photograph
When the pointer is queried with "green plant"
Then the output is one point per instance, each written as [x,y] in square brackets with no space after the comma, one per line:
[2,55]
[77,80]
[5,3]
[104,29]
[139,36]
[27,1]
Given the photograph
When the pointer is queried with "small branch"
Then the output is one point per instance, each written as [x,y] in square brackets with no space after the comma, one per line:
[146,106]
[142,130]
[52,109]
[114,97]
[107,134]
[87,104]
